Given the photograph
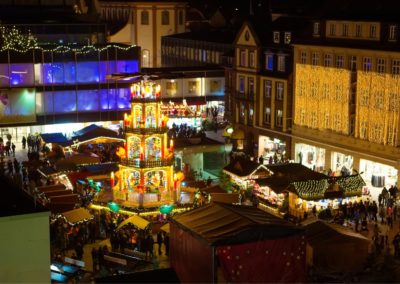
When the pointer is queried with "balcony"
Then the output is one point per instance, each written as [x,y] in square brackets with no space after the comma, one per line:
[144,131]
[136,163]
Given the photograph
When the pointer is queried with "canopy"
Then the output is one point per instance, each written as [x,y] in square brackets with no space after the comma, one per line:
[57,138]
[77,215]
[135,220]
[165,228]
[92,132]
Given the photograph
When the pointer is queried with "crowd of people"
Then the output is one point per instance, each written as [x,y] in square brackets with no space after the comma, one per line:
[184,131]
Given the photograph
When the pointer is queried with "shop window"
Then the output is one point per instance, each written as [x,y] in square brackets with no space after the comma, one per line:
[193,86]
[165,18]
[215,86]
[144,17]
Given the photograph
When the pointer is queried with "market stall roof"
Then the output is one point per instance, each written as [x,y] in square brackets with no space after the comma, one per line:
[47,171]
[136,221]
[243,167]
[229,198]
[213,189]
[321,232]
[219,223]
[57,138]
[101,168]
[77,215]
[165,228]
[93,132]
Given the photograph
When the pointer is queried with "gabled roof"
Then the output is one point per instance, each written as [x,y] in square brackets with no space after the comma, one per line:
[94,131]
[242,167]
[220,224]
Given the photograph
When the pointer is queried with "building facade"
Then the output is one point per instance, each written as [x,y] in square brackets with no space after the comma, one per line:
[347,99]
[145,23]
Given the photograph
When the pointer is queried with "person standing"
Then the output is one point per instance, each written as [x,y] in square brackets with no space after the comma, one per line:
[13,149]
[23,142]
[159,242]
[166,243]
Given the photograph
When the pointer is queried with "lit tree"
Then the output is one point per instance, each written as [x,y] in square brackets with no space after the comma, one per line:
[13,38]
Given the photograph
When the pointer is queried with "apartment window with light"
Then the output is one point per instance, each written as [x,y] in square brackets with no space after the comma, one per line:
[353,63]
[372,31]
[328,60]
[315,59]
[340,61]
[267,88]
[345,31]
[316,29]
[303,57]
[165,18]
[242,113]
[251,115]
[243,58]
[279,118]
[144,17]
[276,37]
[281,63]
[396,66]
[358,30]
[267,115]
[288,37]
[252,59]
[279,91]
[380,65]
[367,64]
[269,62]
[241,84]
[332,29]
[392,32]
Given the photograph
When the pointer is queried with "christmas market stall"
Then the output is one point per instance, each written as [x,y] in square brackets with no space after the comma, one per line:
[236,244]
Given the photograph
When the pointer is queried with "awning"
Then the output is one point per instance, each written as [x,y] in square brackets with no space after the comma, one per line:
[136,221]
[57,138]
[77,215]
[165,228]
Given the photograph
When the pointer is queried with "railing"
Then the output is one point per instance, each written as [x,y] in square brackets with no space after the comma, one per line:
[143,131]
[145,100]
[147,163]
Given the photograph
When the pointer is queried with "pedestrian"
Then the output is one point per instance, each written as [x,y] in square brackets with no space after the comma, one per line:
[13,149]
[150,245]
[160,240]
[396,244]
[166,243]
[95,258]
[23,142]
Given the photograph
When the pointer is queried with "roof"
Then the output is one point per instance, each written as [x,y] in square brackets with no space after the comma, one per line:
[77,215]
[16,201]
[215,36]
[213,189]
[101,168]
[323,233]
[94,131]
[58,138]
[220,224]
[242,166]
[136,221]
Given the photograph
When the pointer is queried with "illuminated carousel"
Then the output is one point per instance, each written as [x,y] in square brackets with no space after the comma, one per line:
[145,177]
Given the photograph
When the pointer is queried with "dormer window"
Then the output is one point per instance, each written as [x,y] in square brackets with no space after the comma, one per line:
[393,33]
[276,37]
[332,29]
[316,29]
[372,31]
[345,31]
[288,37]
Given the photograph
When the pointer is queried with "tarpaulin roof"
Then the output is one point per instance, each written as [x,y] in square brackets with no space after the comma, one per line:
[47,171]
[219,223]
[213,189]
[94,131]
[77,215]
[101,168]
[229,198]
[321,232]
[135,220]
[58,138]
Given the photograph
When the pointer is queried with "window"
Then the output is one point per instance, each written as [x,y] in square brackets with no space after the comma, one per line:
[180,17]
[165,18]
[358,30]
[281,63]
[171,88]
[242,113]
[251,115]
[269,62]
[288,37]
[367,64]
[353,63]
[267,115]
[372,31]
[302,117]
[328,60]
[276,37]
[364,98]
[364,130]
[250,87]
[241,84]
[243,58]
[301,88]
[379,101]
[193,86]
[252,59]
[315,59]
[267,88]
[340,61]
[314,90]
[316,29]
[279,91]
[279,118]
[396,66]
[313,119]
[332,29]
[303,57]
[326,121]
[345,30]
[393,102]
[144,18]
[392,32]
[380,65]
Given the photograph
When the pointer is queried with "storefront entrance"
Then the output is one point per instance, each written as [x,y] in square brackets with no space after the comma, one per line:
[271,149]
[341,163]
[310,156]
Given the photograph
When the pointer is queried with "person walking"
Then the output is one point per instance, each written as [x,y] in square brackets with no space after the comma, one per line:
[13,149]
[23,142]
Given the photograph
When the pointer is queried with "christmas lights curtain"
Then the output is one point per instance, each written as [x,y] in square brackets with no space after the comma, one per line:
[190,257]
[265,261]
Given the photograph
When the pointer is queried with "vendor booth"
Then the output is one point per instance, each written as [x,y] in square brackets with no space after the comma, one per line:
[234,243]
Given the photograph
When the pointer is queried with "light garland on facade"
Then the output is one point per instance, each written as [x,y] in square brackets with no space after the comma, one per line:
[12,38]
[322,97]
[377,108]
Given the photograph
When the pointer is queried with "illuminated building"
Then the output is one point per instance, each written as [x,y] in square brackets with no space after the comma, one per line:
[347,98]
[145,177]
